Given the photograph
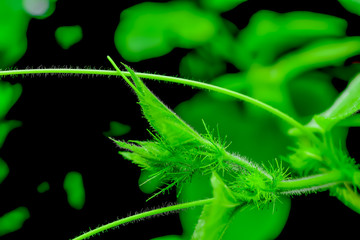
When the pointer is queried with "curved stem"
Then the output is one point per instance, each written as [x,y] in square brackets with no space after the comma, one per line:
[144,215]
[192,83]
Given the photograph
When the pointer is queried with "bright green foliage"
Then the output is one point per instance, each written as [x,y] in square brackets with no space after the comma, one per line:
[318,54]
[4,170]
[74,187]
[43,187]
[220,5]
[249,223]
[178,151]
[5,128]
[117,129]
[9,94]
[351,5]
[269,34]
[13,25]
[345,105]
[13,220]
[216,216]
[311,158]
[149,182]
[153,29]
[14,19]
[67,36]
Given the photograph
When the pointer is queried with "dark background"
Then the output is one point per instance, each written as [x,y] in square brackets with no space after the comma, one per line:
[64,117]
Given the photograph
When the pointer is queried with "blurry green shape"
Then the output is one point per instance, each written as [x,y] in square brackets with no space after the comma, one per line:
[67,36]
[218,214]
[318,54]
[347,104]
[73,185]
[13,220]
[9,94]
[221,5]
[196,66]
[169,237]
[43,187]
[5,128]
[39,8]
[14,19]
[311,93]
[4,170]
[149,183]
[117,129]
[13,26]
[352,6]
[150,30]
[269,34]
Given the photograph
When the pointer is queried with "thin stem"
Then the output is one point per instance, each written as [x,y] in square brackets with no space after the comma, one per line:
[144,215]
[312,181]
[192,83]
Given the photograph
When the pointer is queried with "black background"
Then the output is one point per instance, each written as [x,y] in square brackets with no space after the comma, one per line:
[64,117]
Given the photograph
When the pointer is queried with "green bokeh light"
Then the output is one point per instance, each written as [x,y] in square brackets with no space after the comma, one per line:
[117,129]
[4,170]
[67,36]
[74,187]
[150,30]
[43,187]
[13,220]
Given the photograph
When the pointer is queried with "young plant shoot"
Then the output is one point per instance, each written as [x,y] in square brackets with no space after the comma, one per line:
[177,152]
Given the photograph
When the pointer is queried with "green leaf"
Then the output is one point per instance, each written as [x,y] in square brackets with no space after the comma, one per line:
[347,196]
[347,103]
[150,29]
[352,6]
[318,54]
[221,5]
[9,94]
[216,216]
[269,34]
[164,121]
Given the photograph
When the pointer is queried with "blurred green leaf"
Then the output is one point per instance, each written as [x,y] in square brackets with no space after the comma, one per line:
[5,129]
[347,103]
[269,34]
[221,5]
[66,36]
[150,30]
[352,6]
[4,170]
[318,54]
[216,215]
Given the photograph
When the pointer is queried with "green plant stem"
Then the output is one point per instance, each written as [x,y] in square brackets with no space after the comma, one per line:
[247,164]
[144,215]
[192,83]
[324,179]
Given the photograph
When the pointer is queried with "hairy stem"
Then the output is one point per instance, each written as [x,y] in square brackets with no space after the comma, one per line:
[328,178]
[196,84]
[144,215]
